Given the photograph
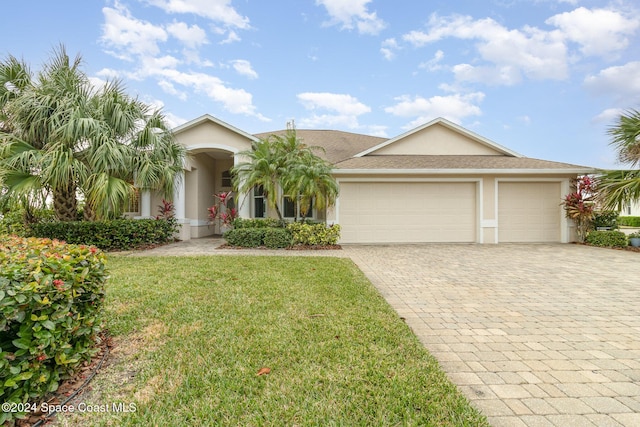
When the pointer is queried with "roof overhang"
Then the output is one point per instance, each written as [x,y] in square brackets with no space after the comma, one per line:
[463,171]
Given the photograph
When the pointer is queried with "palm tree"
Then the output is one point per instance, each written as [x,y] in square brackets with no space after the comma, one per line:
[618,187]
[264,167]
[286,163]
[311,179]
[61,134]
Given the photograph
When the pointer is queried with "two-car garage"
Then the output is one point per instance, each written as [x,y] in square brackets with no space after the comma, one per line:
[430,211]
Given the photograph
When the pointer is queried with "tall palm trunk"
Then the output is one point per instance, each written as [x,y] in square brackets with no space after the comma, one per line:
[65,203]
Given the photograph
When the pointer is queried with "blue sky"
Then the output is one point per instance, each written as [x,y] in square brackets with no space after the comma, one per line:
[545,78]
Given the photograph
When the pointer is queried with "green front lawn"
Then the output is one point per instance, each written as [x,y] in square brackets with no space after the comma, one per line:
[192,333]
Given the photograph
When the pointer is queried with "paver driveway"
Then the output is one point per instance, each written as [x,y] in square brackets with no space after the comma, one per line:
[536,335]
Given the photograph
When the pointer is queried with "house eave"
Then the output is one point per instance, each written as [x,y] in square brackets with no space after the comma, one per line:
[575,171]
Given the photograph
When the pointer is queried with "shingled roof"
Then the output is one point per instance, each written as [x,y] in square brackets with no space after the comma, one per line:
[341,147]
[337,145]
[474,162]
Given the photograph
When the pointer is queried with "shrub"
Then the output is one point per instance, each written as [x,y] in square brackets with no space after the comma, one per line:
[118,234]
[257,223]
[629,221]
[607,238]
[605,219]
[245,237]
[18,222]
[51,298]
[276,238]
[314,234]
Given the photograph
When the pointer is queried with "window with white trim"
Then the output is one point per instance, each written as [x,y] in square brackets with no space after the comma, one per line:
[291,209]
[259,202]
[226,178]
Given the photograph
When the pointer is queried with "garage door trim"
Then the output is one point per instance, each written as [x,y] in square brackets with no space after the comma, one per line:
[478,193]
[564,189]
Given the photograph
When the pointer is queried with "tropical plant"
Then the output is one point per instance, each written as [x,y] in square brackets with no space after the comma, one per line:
[284,162]
[579,206]
[61,134]
[216,212]
[618,187]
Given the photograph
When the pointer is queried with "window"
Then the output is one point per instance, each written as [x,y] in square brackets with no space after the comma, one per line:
[133,204]
[226,179]
[291,208]
[259,203]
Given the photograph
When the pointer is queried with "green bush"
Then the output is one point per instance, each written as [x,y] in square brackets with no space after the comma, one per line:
[18,222]
[607,238]
[314,234]
[245,237]
[118,234]
[605,219]
[629,221]
[51,298]
[276,238]
[257,223]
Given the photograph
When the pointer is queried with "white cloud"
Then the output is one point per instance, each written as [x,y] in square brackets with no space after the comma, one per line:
[130,36]
[389,46]
[191,36]
[620,82]
[434,63]
[343,109]
[531,52]
[353,14]
[215,10]
[237,101]
[231,38]
[610,115]
[452,107]
[138,41]
[599,32]
[243,67]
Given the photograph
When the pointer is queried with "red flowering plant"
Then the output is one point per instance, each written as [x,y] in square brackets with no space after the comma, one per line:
[579,205]
[221,212]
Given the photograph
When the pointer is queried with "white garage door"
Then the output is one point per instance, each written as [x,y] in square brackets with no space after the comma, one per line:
[407,212]
[529,212]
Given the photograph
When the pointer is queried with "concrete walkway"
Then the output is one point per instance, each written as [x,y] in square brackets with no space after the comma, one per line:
[534,335]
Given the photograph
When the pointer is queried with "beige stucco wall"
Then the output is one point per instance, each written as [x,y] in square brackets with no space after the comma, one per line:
[209,133]
[437,140]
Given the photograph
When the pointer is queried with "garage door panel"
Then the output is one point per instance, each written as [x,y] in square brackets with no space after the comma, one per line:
[529,212]
[407,212]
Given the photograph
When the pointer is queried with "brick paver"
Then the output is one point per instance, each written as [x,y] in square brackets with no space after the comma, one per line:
[534,335]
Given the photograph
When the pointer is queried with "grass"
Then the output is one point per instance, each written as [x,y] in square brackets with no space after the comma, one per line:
[192,333]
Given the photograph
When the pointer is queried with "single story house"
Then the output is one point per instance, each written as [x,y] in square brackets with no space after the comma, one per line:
[438,182]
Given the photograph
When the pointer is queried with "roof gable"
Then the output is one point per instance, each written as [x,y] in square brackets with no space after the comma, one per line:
[208,132]
[439,137]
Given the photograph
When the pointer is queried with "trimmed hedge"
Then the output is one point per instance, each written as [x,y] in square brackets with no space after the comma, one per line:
[297,233]
[118,234]
[51,297]
[245,237]
[276,238]
[607,238]
[257,223]
[314,234]
[629,221]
